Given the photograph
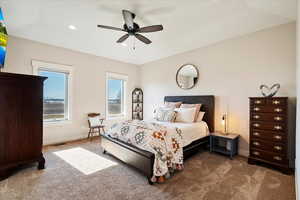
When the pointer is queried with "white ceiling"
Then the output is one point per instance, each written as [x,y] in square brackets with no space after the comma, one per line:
[187,24]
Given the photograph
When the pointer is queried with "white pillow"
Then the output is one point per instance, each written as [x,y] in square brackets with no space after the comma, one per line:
[198,106]
[95,121]
[186,115]
[172,104]
[200,116]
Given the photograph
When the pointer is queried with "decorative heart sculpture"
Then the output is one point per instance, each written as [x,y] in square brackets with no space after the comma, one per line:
[269,92]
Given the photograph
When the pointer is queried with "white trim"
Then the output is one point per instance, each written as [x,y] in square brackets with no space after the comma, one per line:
[119,77]
[36,64]
[296,181]
[55,67]
[55,123]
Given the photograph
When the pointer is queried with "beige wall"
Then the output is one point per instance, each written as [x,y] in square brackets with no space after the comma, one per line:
[231,70]
[88,82]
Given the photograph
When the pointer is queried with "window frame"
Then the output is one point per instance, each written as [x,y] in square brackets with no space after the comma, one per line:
[59,68]
[124,78]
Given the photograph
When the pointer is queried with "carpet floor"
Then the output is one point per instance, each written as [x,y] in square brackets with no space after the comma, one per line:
[206,176]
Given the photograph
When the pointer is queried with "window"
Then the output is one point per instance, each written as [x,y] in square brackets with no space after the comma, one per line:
[55,95]
[56,90]
[115,95]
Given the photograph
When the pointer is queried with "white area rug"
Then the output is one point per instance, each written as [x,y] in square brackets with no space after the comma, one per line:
[83,160]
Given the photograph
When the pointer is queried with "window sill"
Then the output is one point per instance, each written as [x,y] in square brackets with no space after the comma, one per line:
[120,117]
[56,123]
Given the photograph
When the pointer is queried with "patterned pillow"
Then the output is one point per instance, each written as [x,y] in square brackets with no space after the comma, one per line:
[165,115]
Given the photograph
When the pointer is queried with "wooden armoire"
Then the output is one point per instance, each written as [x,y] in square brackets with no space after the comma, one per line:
[21,121]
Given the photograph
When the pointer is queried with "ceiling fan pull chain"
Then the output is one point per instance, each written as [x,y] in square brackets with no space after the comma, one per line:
[133,43]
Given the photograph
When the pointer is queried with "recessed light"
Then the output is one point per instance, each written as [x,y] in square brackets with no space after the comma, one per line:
[72,27]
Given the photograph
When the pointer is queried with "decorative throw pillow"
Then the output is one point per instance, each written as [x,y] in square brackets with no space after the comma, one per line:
[161,107]
[186,115]
[197,106]
[200,116]
[164,115]
[172,104]
[95,121]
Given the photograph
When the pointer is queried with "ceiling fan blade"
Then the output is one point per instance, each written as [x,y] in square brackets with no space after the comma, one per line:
[143,38]
[128,18]
[110,27]
[123,38]
[149,29]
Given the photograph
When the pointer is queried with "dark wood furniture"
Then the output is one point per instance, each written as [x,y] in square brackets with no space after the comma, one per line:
[269,132]
[21,121]
[226,144]
[95,128]
[137,104]
[143,160]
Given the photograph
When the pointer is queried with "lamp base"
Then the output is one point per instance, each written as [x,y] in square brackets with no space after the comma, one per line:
[225,133]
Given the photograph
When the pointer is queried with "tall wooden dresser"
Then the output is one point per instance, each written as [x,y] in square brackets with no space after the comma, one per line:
[21,121]
[269,132]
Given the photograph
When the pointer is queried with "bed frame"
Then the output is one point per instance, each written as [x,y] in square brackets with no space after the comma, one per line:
[143,160]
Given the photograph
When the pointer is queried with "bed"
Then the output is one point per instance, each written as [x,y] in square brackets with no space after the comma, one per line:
[143,160]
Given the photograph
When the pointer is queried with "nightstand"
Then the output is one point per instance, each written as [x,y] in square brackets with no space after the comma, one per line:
[225,144]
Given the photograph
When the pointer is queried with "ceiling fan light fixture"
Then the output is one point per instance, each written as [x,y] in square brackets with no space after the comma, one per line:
[72,27]
[133,29]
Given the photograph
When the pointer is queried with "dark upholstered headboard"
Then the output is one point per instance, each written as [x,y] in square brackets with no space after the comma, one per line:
[208,106]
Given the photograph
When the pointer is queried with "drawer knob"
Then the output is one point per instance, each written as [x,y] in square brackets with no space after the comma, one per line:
[256,116]
[277,137]
[256,125]
[278,110]
[277,127]
[277,118]
[256,153]
[276,102]
[256,143]
[277,158]
[257,102]
[278,148]
[256,134]
[256,109]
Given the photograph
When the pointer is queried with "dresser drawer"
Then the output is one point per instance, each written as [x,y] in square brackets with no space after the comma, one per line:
[268,136]
[272,126]
[277,101]
[268,146]
[271,157]
[270,117]
[268,109]
[258,101]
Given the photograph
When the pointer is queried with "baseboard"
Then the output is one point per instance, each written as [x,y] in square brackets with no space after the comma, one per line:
[69,142]
[296,182]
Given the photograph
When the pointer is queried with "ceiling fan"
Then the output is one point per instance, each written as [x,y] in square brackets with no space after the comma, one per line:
[133,29]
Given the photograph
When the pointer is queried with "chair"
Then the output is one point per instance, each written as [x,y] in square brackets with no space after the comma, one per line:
[95,124]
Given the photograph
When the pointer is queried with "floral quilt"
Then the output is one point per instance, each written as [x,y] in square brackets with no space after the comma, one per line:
[164,142]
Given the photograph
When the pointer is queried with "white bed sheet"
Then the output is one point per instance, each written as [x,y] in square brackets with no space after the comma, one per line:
[190,131]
